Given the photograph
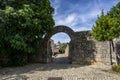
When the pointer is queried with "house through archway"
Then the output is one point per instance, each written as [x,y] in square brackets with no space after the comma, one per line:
[59,44]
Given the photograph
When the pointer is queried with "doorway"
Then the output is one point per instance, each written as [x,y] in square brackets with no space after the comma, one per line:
[59,48]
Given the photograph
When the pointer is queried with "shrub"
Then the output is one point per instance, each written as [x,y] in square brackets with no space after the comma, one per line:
[62,47]
[116,68]
[23,23]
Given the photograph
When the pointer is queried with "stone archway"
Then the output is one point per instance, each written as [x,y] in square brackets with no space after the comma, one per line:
[42,54]
[83,49]
[64,29]
[58,29]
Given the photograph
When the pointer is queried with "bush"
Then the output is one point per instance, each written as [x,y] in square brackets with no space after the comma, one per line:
[116,68]
[19,59]
[62,47]
[22,26]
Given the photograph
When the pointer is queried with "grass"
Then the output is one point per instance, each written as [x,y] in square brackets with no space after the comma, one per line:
[116,68]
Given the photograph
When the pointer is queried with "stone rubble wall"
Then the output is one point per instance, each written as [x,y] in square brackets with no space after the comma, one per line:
[117,49]
[86,50]
[67,50]
[83,49]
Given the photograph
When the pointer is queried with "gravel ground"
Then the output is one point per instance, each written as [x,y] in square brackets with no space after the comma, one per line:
[66,71]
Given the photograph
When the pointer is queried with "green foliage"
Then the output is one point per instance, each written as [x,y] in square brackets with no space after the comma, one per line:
[23,23]
[106,28]
[115,11]
[116,68]
[62,47]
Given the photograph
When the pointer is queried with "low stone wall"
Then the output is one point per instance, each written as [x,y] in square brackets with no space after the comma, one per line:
[118,52]
[83,49]
[86,50]
[101,52]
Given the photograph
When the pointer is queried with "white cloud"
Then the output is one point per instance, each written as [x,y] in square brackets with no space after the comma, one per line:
[70,19]
[79,28]
[56,5]
[66,20]
[76,17]
[86,18]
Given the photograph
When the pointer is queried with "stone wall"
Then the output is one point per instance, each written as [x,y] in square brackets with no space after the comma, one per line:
[101,52]
[118,52]
[83,49]
[86,50]
[67,50]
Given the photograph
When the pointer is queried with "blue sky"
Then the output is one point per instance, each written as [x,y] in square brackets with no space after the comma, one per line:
[79,15]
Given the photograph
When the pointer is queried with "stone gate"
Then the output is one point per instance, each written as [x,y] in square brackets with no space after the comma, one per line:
[83,49]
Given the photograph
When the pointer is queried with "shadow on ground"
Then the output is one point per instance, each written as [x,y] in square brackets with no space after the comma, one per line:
[31,68]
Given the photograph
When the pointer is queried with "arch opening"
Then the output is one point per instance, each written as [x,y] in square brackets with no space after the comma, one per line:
[59,48]
[62,37]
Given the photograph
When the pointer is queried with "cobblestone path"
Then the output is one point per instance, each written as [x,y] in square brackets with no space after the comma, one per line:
[66,71]
[61,59]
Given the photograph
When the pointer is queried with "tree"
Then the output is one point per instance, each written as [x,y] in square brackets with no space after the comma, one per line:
[107,28]
[23,23]
[62,47]
[115,12]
